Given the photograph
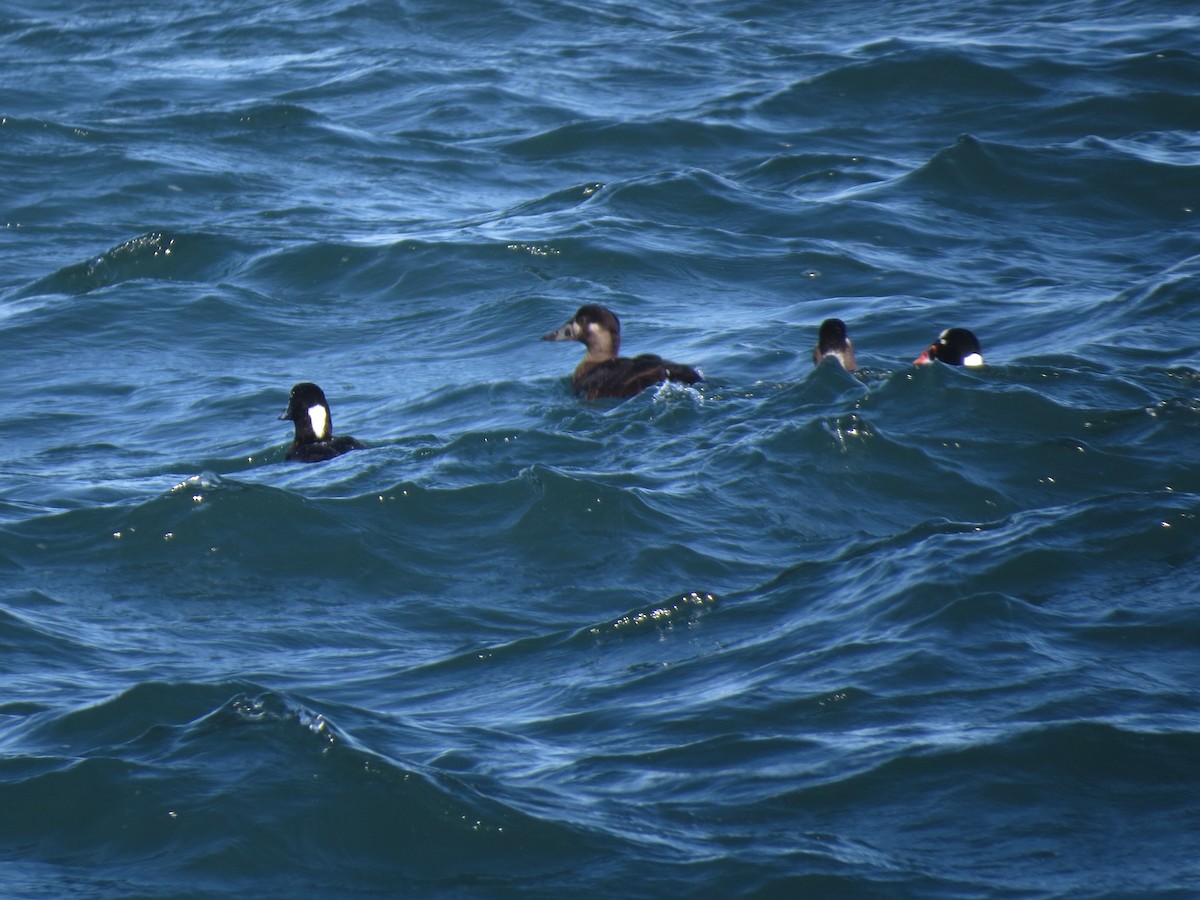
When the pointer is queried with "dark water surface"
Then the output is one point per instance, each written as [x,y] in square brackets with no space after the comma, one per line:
[797,633]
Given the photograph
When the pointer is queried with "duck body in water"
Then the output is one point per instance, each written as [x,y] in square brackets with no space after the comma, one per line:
[314,440]
[834,343]
[603,372]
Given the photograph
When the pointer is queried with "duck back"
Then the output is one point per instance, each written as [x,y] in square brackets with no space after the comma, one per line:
[319,451]
[629,375]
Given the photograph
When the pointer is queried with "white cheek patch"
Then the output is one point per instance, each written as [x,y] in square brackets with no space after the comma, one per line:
[320,421]
[973,359]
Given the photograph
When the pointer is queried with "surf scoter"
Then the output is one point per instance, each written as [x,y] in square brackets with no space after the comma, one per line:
[602,373]
[954,346]
[314,440]
[833,343]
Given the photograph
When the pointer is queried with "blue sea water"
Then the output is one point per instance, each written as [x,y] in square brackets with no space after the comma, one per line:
[906,632]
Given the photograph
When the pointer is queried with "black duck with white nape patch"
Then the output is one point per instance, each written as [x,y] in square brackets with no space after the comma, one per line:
[834,343]
[955,347]
[314,440]
[602,372]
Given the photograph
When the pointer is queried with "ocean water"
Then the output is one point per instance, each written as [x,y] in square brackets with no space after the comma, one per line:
[906,632]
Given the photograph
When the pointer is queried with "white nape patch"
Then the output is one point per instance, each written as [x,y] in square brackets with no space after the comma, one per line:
[973,359]
[319,417]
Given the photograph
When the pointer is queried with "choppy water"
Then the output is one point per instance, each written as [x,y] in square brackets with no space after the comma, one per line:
[902,633]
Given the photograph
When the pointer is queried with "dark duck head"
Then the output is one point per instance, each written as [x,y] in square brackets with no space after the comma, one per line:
[602,373]
[314,440]
[833,343]
[955,347]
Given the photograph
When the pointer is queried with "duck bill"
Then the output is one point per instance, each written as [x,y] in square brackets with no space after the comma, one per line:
[924,359]
[568,332]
